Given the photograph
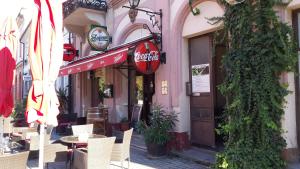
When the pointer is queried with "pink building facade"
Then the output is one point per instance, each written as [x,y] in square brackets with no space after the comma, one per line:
[188,43]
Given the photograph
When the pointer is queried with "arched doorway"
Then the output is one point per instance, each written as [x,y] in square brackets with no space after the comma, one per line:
[204,73]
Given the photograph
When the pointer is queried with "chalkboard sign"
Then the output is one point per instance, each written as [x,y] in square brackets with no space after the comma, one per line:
[136,113]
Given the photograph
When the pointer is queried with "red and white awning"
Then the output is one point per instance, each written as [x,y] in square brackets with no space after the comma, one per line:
[98,61]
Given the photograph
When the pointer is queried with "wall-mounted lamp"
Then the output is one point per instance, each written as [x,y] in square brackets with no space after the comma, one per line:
[133,11]
[134,3]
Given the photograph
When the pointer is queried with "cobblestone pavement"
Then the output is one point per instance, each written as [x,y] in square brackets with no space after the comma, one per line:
[139,160]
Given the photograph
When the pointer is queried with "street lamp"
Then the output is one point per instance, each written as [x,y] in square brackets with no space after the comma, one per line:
[134,3]
[133,11]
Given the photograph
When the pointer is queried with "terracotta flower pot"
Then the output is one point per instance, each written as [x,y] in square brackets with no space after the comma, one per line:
[156,150]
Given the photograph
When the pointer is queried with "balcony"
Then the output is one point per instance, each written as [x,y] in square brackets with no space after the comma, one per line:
[71,6]
[80,14]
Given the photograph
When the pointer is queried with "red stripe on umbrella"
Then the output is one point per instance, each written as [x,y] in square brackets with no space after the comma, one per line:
[8,46]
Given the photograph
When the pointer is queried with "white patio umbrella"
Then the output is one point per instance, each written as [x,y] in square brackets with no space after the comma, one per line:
[45,57]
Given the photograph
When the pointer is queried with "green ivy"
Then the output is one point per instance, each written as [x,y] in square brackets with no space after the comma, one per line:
[260,49]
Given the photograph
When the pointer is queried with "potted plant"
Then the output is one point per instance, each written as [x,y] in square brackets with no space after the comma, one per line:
[124,124]
[18,114]
[63,98]
[156,133]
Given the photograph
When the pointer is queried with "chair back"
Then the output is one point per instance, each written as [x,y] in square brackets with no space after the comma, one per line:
[82,129]
[99,152]
[126,142]
[6,125]
[55,153]
[14,161]
[34,140]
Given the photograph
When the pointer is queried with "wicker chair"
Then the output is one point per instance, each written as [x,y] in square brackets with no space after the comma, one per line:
[80,129]
[121,151]
[6,125]
[97,155]
[14,161]
[55,153]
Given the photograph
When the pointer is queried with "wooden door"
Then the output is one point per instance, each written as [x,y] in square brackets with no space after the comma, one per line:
[202,98]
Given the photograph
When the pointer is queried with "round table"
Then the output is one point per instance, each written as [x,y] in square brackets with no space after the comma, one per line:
[74,139]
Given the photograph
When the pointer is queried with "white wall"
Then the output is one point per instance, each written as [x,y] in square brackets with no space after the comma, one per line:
[183,124]
[289,118]
[137,34]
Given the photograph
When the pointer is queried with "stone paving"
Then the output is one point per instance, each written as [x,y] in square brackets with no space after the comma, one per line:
[139,160]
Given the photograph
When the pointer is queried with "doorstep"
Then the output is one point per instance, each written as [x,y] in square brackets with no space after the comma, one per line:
[198,155]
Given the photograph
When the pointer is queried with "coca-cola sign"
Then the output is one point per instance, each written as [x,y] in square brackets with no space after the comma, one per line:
[146,57]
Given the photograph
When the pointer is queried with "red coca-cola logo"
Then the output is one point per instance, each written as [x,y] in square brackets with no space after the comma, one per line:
[146,57]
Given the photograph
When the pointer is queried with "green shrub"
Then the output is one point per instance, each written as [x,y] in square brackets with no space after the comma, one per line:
[260,49]
[161,122]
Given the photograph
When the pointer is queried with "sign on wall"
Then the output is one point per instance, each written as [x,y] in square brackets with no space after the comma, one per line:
[200,78]
[98,38]
[164,87]
[146,57]
[69,52]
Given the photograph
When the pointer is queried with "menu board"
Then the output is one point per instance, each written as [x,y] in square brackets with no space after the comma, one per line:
[200,78]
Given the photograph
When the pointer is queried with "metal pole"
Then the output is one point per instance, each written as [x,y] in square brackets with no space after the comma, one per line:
[41,145]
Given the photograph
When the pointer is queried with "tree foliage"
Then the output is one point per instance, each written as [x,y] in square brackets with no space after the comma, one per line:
[260,49]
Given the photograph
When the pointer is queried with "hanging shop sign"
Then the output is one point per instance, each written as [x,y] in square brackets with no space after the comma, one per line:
[146,57]
[98,38]
[69,52]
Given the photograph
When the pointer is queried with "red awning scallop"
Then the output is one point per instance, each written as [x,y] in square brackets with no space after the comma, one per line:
[98,61]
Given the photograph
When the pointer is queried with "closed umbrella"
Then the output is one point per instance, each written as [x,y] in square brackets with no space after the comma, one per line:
[45,57]
[8,48]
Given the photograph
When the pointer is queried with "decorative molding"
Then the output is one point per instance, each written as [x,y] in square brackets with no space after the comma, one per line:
[70,6]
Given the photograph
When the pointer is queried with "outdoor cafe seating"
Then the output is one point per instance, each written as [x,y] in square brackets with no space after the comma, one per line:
[99,152]
[12,154]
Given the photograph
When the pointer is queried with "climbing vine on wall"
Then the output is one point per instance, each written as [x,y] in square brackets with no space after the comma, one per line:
[260,49]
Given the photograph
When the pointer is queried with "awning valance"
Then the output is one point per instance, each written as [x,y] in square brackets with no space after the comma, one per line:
[101,60]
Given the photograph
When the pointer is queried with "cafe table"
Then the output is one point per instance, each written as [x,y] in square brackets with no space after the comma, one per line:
[11,148]
[74,141]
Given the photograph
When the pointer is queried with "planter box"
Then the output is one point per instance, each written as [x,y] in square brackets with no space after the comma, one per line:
[124,126]
[156,150]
